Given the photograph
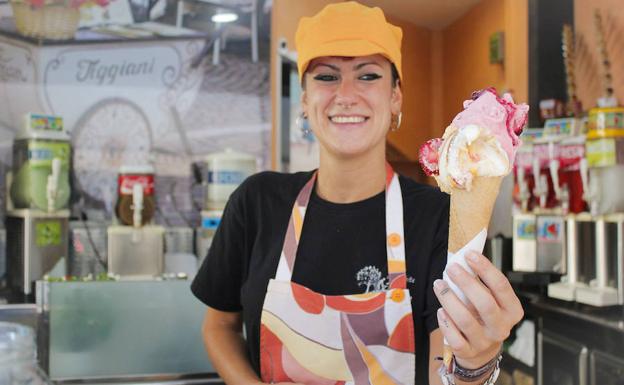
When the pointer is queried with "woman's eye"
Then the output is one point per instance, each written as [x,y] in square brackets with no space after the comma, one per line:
[370,77]
[326,77]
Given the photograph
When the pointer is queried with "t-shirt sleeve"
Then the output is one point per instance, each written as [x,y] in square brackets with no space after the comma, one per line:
[219,279]
[437,265]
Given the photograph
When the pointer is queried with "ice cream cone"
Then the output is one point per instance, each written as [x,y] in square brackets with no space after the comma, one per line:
[470,211]
[469,162]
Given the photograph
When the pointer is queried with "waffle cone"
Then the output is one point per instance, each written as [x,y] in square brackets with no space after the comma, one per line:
[470,211]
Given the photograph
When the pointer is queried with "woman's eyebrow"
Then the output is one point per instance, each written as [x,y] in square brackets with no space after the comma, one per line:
[357,67]
[335,68]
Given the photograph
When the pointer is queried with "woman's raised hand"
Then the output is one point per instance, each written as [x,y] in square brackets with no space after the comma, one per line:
[476,331]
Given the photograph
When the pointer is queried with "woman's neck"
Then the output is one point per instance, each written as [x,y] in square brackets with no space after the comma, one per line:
[351,180]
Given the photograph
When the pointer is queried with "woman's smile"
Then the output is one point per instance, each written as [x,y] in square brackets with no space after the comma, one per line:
[348,121]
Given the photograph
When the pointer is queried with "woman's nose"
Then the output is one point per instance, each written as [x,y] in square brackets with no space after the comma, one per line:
[346,94]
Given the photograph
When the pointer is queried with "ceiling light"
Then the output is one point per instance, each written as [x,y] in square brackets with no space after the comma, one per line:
[226,17]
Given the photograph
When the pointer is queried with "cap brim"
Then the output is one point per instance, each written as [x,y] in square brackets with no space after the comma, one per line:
[346,48]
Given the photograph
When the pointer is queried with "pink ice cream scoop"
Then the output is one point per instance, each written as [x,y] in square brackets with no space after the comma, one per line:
[497,117]
[504,118]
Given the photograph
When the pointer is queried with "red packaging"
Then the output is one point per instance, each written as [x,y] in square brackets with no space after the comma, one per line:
[128,178]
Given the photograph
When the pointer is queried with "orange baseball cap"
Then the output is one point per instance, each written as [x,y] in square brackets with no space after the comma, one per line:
[347,29]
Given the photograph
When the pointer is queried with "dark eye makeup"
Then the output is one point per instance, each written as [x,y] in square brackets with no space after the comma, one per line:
[371,76]
[330,77]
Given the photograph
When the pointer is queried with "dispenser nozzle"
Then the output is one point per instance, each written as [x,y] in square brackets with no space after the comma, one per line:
[52,185]
[524,189]
[541,183]
[565,199]
[544,190]
[554,174]
[553,166]
[584,169]
[137,204]
[536,174]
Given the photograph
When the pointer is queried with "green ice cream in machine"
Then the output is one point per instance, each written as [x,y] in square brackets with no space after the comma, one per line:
[41,157]
[37,215]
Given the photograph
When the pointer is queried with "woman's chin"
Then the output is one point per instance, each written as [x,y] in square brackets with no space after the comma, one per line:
[351,149]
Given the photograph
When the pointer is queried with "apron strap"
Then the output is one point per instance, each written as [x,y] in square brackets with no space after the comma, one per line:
[293,232]
[395,245]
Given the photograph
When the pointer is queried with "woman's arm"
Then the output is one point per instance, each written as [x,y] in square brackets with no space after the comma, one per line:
[223,339]
[436,348]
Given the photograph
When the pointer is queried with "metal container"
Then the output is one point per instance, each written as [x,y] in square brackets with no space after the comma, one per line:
[580,251]
[136,252]
[585,246]
[37,245]
[551,244]
[606,288]
[178,240]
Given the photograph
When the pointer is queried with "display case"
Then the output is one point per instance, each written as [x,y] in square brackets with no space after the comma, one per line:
[560,360]
[605,369]
[121,330]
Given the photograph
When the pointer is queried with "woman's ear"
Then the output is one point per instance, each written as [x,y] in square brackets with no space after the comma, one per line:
[396,100]
[304,103]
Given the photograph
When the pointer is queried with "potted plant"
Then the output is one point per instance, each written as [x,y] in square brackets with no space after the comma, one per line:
[50,19]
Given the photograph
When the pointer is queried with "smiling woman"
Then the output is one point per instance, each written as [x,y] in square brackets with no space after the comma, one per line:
[331,271]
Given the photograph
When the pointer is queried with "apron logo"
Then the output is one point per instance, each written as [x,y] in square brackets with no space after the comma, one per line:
[371,279]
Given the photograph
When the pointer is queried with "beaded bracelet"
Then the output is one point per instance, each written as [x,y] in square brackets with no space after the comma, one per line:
[455,371]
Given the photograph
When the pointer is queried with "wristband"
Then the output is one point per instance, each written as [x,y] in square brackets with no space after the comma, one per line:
[455,371]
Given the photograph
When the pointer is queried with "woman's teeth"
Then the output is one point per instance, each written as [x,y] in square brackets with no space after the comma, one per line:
[347,119]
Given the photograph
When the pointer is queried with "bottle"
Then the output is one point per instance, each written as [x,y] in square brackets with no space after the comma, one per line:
[18,356]
[141,176]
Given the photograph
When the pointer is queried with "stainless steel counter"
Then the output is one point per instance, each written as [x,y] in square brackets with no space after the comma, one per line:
[117,332]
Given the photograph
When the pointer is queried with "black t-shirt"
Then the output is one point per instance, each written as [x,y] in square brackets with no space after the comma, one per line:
[342,251]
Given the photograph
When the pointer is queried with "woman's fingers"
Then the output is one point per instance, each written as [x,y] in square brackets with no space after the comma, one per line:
[496,326]
[452,335]
[498,286]
[492,308]
[476,329]
[465,322]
